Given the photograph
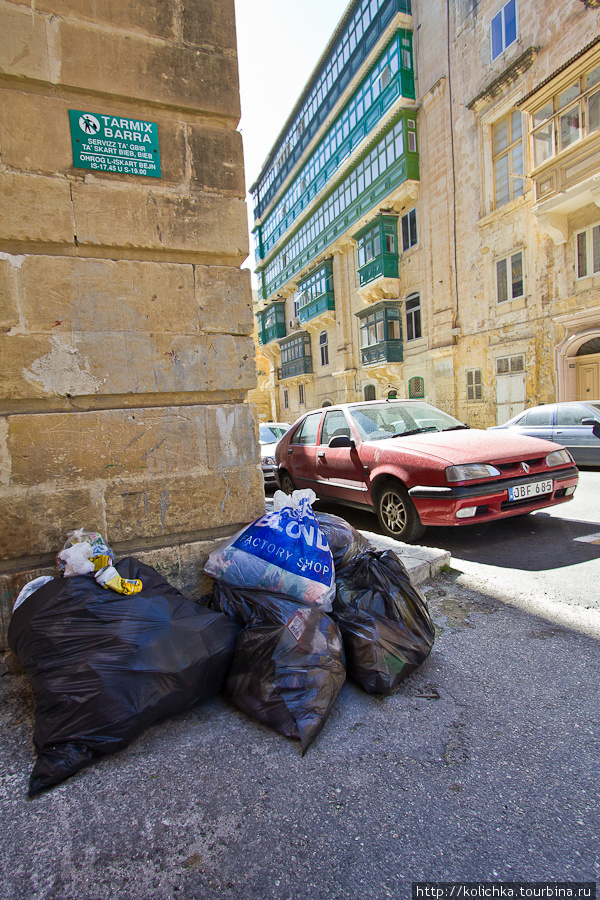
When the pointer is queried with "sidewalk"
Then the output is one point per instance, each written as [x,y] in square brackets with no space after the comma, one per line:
[481,767]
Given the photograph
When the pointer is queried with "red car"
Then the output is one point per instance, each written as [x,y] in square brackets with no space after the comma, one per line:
[415,465]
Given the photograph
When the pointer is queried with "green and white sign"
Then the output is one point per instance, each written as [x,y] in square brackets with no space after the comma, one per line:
[114,144]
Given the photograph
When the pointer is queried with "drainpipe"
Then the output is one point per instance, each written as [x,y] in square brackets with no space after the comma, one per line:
[456,315]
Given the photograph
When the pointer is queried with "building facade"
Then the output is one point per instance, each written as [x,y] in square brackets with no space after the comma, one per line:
[427,225]
[125,319]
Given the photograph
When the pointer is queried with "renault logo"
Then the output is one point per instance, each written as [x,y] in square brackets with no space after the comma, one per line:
[525,467]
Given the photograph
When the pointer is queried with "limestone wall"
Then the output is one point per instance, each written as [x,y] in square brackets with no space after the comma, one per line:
[125,320]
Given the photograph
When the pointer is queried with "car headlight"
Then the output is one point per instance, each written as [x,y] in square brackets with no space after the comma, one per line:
[559,457]
[470,471]
[268,461]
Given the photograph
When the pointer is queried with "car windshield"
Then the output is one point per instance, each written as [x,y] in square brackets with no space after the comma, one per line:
[386,420]
[270,434]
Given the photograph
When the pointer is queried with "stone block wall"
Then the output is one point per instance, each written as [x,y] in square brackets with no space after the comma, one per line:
[125,319]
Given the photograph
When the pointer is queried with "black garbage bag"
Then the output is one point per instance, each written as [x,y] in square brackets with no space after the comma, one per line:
[105,666]
[345,542]
[288,665]
[384,621]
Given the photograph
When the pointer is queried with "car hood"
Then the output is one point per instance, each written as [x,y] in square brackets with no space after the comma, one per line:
[471,446]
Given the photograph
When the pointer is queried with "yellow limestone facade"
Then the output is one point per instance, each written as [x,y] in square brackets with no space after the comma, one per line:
[125,319]
[503,262]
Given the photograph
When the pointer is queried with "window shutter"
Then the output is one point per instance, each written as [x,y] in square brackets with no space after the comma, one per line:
[474,384]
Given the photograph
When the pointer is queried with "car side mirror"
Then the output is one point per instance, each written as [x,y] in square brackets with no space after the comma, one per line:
[589,422]
[341,440]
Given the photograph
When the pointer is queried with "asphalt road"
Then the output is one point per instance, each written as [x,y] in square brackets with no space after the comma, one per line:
[482,767]
[546,562]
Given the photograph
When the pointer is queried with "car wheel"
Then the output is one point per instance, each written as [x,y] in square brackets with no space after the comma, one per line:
[397,514]
[287,485]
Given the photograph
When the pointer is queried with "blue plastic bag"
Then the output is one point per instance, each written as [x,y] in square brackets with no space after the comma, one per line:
[284,551]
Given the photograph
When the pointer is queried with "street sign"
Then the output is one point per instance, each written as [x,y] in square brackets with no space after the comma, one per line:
[114,144]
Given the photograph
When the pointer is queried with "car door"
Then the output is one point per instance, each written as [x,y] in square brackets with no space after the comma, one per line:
[340,471]
[538,422]
[301,456]
[582,441]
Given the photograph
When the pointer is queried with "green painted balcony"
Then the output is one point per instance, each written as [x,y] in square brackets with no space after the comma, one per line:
[302,366]
[385,266]
[296,356]
[323,303]
[377,249]
[385,352]
[316,293]
[381,333]
[271,323]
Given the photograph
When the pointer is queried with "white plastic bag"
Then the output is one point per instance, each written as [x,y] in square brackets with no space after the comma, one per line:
[30,588]
[285,551]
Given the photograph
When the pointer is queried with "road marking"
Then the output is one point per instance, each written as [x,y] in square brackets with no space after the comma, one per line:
[589,538]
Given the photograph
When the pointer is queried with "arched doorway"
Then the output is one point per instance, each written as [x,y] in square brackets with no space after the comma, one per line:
[578,357]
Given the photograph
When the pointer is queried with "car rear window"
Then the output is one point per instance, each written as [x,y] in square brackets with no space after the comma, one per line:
[537,417]
[269,434]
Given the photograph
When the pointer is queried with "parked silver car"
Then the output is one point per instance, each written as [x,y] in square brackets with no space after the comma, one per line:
[574,425]
[269,435]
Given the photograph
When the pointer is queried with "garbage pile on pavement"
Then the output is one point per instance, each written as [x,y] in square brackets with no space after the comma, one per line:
[298,601]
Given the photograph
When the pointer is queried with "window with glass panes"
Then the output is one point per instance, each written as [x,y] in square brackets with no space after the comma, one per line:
[295,349]
[409,230]
[271,322]
[383,324]
[508,365]
[378,243]
[413,317]
[587,247]
[369,246]
[324,347]
[507,139]
[503,31]
[370,171]
[352,125]
[354,42]
[316,284]
[273,315]
[569,116]
[509,277]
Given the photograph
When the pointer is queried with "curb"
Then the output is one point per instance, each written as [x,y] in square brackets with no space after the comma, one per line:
[421,562]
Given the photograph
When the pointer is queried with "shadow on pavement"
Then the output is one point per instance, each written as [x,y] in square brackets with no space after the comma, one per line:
[535,542]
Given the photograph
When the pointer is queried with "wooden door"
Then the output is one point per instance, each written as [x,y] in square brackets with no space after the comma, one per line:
[588,377]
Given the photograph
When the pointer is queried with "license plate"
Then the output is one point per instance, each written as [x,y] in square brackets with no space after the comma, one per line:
[533,489]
